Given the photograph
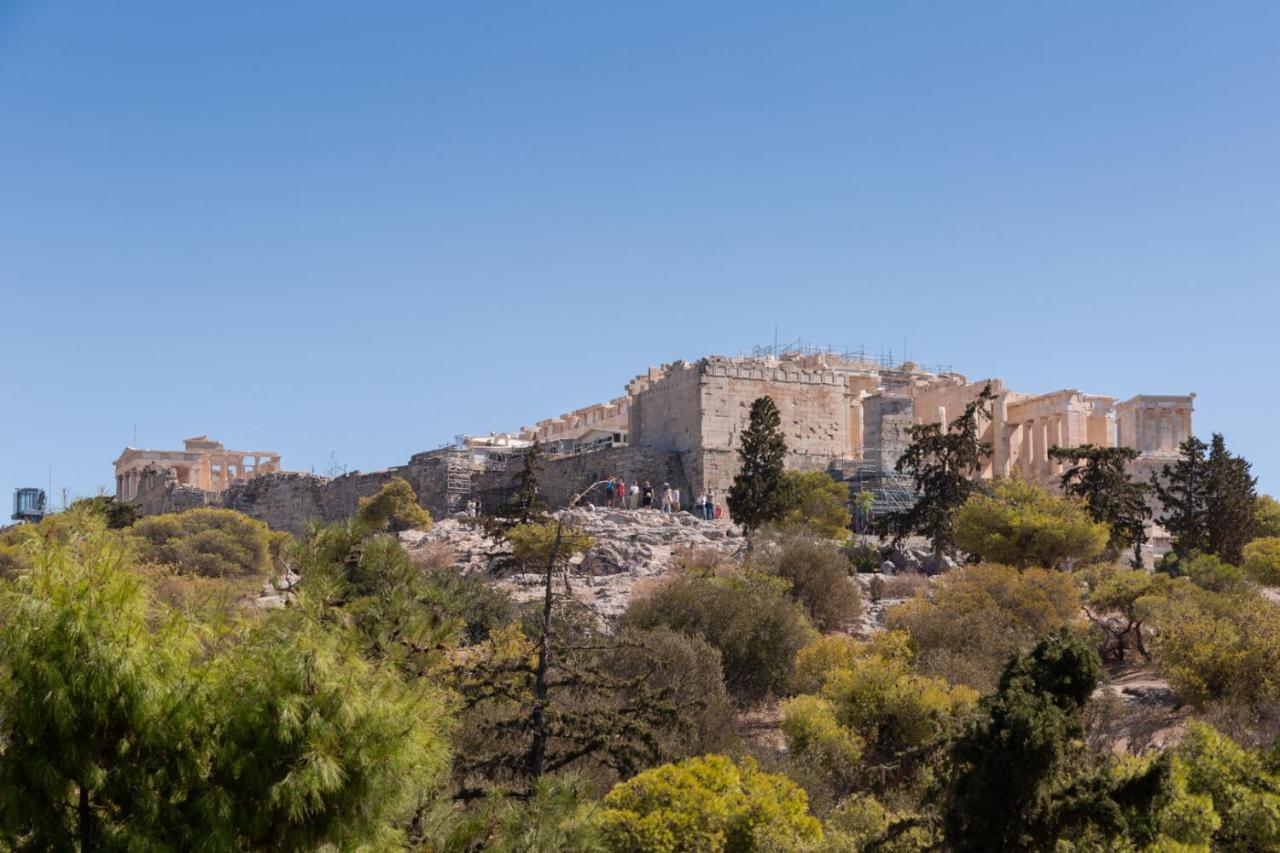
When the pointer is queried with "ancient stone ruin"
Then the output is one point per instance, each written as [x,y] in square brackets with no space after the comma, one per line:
[843,413]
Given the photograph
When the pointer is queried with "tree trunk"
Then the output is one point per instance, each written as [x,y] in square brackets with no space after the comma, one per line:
[538,720]
[85,819]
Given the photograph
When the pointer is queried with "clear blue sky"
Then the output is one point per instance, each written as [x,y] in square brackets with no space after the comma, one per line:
[358,229]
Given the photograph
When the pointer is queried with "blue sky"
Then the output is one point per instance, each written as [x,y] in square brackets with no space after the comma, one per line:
[354,230]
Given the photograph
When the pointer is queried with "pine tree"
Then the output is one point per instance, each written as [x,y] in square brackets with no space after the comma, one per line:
[1099,476]
[943,465]
[1183,492]
[755,497]
[527,504]
[1230,502]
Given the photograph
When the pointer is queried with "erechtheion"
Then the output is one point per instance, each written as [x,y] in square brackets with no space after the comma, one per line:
[202,463]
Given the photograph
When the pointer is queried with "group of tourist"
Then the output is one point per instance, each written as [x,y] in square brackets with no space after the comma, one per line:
[635,495]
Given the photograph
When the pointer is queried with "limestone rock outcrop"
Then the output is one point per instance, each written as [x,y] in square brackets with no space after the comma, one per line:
[631,547]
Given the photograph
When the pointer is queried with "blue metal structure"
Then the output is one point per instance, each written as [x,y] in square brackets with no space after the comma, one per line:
[28,504]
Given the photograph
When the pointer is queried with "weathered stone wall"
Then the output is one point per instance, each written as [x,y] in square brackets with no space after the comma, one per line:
[567,476]
[159,491]
[288,501]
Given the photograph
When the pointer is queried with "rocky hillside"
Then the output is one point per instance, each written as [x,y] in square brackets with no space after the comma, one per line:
[632,547]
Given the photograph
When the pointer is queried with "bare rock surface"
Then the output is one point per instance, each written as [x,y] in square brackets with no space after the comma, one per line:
[632,547]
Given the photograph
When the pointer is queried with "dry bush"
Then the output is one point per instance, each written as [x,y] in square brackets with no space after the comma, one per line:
[434,556]
[698,560]
[906,585]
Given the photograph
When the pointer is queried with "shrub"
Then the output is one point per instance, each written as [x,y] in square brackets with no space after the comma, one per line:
[966,624]
[707,804]
[394,508]
[746,615]
[1262,560]
[872,711]
[819,576]
[1216,646]
[1266,516]
[811,499]
[207,542]
[1021,524]
[531,544]
[1206,571]
[686,671]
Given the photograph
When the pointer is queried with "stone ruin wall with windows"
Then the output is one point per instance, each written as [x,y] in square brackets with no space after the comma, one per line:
[681,424]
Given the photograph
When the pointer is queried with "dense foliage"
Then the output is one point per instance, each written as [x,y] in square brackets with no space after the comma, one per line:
[394,507]
[395,702]
[1021,524]
[1100,477]
[207,542]
[747,616]
[942,461]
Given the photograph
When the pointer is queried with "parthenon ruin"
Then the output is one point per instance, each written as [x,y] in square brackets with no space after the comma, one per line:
[202,463]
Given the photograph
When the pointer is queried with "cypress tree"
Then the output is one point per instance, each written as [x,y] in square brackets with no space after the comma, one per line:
[1230,502]
[755,497]
[1183,491]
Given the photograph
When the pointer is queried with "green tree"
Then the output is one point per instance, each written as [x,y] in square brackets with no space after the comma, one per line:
[1244,790]
[813,500]
[943,464]
[1021,524]
[316,745]
[1266,516]
[393,508]
[1183,491]
[1231,501]
[1099,476]
[126,726]
[1262,560]
[708,805]
[117,515]
[1119,604]
[1013,756]
[99,703]
[746,615]
[756,498]
[527,504]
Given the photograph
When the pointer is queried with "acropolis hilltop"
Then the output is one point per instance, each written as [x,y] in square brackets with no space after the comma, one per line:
[843,413]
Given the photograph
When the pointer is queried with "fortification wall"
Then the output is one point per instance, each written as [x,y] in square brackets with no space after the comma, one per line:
[815,408]
[567,476]
[288,501]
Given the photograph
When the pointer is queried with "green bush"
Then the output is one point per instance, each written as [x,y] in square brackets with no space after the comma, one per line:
[1262,560]
[1021,524]
[812,500]
[393,508]
[206,542]
[966,624]
[707,805]
[1206,571]
[818,572]
[745,615]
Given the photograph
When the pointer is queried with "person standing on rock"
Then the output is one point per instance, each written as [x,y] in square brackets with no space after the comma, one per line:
[701,505]
[648,495]
[675,498]
[608,493]
[621,492]
[635,495]
[666,497]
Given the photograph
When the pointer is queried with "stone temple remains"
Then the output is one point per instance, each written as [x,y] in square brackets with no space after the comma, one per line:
[680,423]
[202,464]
